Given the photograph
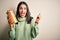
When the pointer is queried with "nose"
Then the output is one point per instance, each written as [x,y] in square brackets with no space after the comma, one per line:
[22,10]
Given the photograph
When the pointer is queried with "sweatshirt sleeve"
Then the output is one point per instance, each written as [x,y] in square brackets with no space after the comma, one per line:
[11,33]
[34,29]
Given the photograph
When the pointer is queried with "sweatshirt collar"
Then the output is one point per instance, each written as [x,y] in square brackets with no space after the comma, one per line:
[22,19]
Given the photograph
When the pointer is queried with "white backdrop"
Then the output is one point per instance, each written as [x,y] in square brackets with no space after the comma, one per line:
[49,26]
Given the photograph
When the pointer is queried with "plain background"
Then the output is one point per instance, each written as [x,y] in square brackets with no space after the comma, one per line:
[49,25]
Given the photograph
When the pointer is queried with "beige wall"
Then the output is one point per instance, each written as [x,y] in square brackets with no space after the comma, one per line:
[49,26]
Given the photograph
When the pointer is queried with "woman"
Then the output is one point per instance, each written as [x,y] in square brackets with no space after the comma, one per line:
[26,28]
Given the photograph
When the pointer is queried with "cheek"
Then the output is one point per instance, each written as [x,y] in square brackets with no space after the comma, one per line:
[25,11]
[20,11]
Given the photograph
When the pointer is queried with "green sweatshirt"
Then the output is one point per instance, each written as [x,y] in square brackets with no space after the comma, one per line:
[23,31]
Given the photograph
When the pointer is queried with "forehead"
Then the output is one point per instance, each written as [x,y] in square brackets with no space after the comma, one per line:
[23,5]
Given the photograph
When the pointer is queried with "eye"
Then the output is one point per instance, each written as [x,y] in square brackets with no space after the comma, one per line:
[25,8]
[20,8]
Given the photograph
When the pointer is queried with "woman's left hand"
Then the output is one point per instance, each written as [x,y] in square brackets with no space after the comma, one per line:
[37,19]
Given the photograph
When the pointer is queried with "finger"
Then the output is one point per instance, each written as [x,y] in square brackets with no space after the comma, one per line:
[39,15]
[37,19]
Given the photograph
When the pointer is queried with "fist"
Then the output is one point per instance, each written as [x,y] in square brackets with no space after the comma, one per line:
[37,19]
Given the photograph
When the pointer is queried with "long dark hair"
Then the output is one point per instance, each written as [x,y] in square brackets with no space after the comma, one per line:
[28,17]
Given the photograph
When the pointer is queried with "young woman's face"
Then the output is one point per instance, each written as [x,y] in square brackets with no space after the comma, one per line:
[22,10]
